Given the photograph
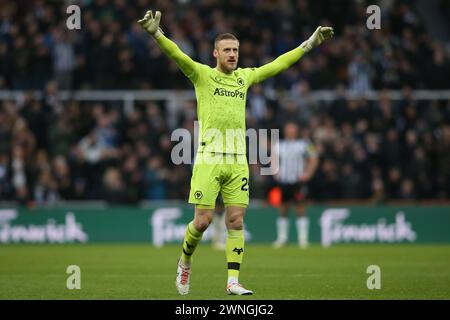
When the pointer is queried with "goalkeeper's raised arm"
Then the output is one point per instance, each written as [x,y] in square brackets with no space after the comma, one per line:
[289,58]
[150,24]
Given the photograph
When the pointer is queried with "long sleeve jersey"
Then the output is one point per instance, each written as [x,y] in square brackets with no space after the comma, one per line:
[221,97]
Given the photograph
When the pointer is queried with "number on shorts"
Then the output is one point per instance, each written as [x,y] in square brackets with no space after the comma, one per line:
[244,186]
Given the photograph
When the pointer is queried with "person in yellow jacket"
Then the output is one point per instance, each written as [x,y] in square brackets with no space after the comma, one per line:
[221,162]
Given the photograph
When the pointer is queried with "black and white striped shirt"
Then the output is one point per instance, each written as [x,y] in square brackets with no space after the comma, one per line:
[293,156]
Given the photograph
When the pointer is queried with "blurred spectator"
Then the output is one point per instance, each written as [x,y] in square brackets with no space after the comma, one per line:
[407,190]
[18,174]
[443,156]
[114,189]
[45,190]
[257,103]
[155,178]
[63,58]
[360,74]
[349,183]
[4,185]
[63,179]
[394,183]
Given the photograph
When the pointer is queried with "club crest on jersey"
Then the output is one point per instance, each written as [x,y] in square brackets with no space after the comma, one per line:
[240,81]
[198,195]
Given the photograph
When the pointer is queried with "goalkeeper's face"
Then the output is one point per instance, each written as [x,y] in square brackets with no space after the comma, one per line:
[226,53]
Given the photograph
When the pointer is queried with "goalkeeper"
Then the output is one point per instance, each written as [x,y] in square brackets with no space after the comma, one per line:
[221,164]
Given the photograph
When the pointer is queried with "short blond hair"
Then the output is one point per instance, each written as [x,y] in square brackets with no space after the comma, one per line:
[224,36]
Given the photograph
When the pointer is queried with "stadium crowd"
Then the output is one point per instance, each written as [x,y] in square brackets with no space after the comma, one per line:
[380,150]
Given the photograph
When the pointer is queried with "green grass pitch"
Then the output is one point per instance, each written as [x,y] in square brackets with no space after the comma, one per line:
[140,271]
